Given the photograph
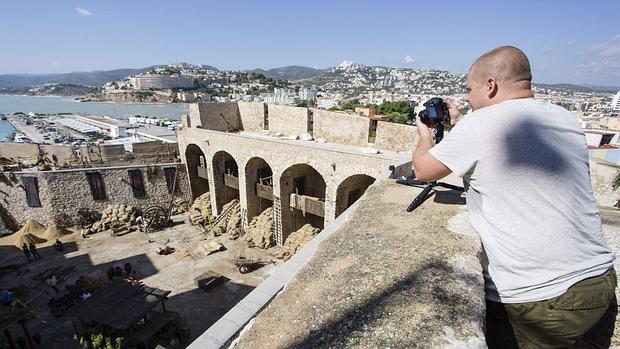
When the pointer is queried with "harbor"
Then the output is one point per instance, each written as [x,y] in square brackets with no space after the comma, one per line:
[75,130]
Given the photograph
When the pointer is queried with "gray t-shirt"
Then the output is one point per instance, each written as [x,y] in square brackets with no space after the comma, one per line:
[529,196]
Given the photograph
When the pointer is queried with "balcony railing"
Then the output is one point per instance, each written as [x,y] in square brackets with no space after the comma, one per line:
[308,204]
[202,172]
[231,181]
[264,191]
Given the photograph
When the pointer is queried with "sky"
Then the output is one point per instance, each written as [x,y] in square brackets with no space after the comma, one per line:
[566,41]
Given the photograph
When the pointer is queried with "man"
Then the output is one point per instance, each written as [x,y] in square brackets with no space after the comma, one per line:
[52,282]
[549,278]
[34,252]
[26,252]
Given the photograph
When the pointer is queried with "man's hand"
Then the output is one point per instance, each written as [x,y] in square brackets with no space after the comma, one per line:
[455,113]
[425,166]
[424,131]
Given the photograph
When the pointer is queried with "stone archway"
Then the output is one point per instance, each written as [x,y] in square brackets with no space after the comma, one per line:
[259,186]
[226,178]
[350,190]
[306,187]
[196,170]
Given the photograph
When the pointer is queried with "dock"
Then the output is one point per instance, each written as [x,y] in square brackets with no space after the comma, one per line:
[29,130]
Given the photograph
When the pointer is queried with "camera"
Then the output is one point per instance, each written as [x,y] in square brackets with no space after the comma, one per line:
[436,112]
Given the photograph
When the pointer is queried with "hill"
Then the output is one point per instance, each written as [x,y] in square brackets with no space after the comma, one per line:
[94,78]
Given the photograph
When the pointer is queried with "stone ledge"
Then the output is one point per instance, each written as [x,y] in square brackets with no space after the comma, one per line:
[386,278]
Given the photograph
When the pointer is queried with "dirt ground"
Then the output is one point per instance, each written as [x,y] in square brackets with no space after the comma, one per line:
[93,255]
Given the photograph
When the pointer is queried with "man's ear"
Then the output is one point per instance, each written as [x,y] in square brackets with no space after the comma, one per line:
[491,87]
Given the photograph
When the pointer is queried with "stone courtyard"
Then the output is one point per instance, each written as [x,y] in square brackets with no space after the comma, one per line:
[93,255]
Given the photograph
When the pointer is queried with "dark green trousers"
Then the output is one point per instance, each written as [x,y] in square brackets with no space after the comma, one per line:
[584,317]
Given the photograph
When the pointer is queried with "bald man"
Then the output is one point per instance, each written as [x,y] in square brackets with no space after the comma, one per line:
[549,277]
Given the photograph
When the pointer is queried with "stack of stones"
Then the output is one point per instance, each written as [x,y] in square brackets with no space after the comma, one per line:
[296,241]
[260,230]
[116,217]
[233,224]
[200,210]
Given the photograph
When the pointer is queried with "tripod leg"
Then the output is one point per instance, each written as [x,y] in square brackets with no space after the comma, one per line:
[420,198]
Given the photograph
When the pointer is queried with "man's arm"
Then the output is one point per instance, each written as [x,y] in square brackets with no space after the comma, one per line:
[425,166]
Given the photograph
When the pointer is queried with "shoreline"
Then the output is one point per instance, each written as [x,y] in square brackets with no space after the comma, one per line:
[75,99]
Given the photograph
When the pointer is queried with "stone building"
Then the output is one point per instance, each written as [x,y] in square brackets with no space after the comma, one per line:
[55,196]
[256,153]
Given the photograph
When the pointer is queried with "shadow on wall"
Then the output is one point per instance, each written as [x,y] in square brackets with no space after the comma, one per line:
[447,306]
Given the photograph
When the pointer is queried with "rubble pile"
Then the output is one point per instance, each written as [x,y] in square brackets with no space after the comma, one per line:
[116,217]
[297,240]
[179,207]
[200,211]
[233,223]
[260,230]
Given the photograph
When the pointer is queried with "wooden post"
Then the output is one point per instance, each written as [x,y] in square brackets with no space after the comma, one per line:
[9,337]
[75,329]
[27,334]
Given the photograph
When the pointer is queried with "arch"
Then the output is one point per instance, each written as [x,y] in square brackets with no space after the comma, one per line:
[259,186]
[350,190]
[196,170]
[310,187]
[226,178]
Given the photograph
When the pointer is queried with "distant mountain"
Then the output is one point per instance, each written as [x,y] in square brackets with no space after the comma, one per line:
[580,88]
[209,67]
[351,78]
[94,78]
[292,72]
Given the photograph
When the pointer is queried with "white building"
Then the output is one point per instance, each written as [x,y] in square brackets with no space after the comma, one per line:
[615,105]
[147,81]
[325,103]
[282,96]
[308,93]
[112,127]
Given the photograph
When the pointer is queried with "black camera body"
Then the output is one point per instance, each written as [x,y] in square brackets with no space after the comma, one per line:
[436,112]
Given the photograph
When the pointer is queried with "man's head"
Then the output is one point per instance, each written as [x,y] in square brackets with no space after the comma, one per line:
[498,75]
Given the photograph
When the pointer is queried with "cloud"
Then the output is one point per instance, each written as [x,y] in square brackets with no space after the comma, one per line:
[83,12]
[609,49]
[604,62]
[408,60]
[571,42]
[547,49]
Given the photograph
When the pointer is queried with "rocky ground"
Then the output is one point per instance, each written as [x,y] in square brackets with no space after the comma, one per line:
[175,272]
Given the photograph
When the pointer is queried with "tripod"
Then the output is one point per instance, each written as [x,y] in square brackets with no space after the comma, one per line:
[426,193]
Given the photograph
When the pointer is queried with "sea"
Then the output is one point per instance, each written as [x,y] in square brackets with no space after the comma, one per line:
[10,104]
[5,129]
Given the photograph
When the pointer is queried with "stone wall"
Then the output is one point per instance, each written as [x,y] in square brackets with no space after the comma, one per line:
[209,115]
[340,128]
[252,116]
[63,192]
[288,120]
[602,177]
[112,152]
[155,149]
[333,164]
[26,153]
[62,153]
[396,137]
